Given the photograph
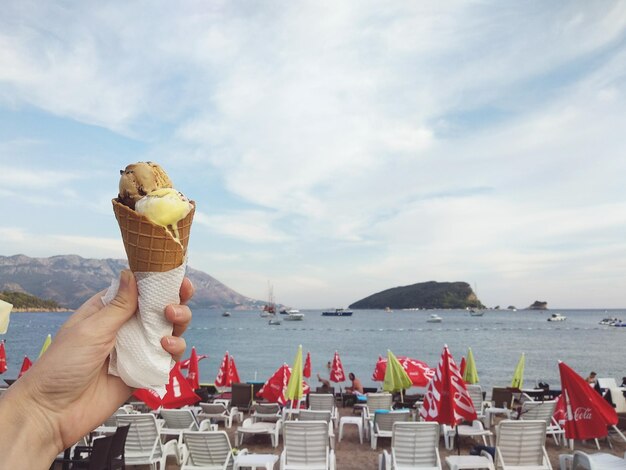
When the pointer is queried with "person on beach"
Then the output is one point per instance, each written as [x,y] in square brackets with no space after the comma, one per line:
[591,379]
[68,391]
[357,386]
[325,383]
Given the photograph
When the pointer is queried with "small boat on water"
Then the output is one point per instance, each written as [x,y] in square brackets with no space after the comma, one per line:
[476,313]
[274,321]
[618,324]
[226,314]
[388,310]
[338,312]
[434,318]
[296,316]
[609,321]
[557,317]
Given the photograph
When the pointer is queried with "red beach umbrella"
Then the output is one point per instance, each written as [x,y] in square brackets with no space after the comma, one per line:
[223,375]
[306,370]
[560,411]
[193,374]
[178,392]
[588,415]
[462,366]
[276,386]
[185,364]
[26,364]
[233,373]
[418,371]
[336,370]
[3,358]
[446,400]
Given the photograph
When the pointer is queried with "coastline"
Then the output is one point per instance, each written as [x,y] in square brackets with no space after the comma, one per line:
[40,310]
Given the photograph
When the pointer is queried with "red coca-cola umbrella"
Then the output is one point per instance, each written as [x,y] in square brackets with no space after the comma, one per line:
[306,370]
[560,411]
[26,364]
[178,392]
[275,388]
[446,400]
[588,415]
[227,374]
[336,370]
[418,371]
[3,358]
[193,374]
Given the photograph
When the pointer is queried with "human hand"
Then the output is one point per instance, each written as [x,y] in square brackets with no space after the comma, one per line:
[68,391]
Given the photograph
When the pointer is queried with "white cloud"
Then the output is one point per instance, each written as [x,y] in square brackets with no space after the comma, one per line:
[401,142]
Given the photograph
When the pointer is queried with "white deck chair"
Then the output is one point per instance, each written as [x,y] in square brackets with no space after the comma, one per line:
[414,446]
[382,424]
[375,401]
[476,394]
[111,421]
[218,411]
[143,443]
[533,410]
[599,461]
[324,402]
[266,412]
[177,421]
[207,450]
[306,446]
[320,415]
[617,393]
[520,445]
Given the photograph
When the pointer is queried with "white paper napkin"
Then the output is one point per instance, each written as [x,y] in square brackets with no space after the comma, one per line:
[138,358]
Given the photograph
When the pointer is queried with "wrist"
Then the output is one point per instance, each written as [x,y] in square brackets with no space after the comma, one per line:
[29,437]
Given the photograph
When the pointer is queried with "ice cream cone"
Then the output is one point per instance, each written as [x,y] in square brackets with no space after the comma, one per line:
[150,247]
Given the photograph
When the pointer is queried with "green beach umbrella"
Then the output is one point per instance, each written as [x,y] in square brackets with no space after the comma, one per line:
[294,386]
[518,375]
[46,343]
[396,378]
[471,374]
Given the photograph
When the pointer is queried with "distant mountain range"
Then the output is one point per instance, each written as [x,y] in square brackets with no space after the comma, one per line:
[70,280]
[430,294]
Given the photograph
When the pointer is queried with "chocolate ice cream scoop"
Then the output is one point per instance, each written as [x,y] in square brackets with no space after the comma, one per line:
[139,179]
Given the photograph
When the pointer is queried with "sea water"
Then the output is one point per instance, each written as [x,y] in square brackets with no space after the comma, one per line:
[497,340]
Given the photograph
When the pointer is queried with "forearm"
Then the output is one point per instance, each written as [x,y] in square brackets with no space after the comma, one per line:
[28,437]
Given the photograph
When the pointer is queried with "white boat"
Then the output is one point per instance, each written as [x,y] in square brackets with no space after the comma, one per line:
[434,318]
[476,313]
[609,321]
[557,317]
[226,314]
[296,316]
[274,321]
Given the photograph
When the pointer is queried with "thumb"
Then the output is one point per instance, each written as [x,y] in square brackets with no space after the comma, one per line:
[122,307]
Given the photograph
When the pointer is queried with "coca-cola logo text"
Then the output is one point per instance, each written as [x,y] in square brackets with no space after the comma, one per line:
[582,413]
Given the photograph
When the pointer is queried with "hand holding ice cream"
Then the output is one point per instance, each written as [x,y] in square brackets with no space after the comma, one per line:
[155,222]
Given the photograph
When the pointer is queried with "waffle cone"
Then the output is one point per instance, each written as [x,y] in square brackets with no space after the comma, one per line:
[150,247]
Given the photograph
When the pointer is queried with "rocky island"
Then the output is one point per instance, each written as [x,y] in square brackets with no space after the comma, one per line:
[432,294]
[538,305]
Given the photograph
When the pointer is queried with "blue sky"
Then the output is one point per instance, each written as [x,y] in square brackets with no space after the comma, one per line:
[333,148]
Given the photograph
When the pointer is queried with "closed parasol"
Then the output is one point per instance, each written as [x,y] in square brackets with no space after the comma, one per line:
[275,389]
[294,385]
[336,370]
[306,371]
[470,374]
[227,374]
[178,392]
[396,378]
[26,364]
[46,345]
[518,375]
[3,358]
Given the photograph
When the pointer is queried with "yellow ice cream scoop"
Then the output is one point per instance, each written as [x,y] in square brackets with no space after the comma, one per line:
[164,207]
